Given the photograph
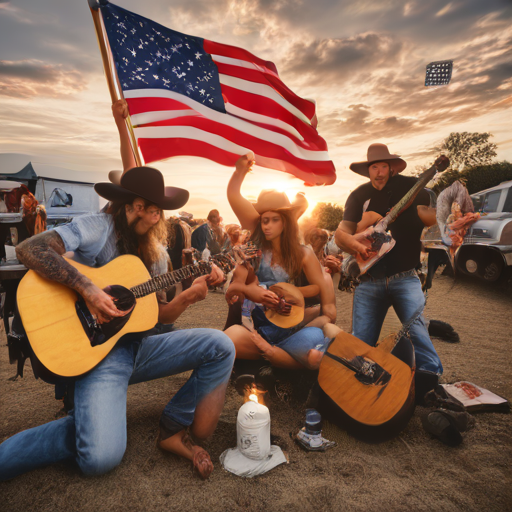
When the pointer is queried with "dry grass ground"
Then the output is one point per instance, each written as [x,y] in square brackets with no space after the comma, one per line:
[411,472]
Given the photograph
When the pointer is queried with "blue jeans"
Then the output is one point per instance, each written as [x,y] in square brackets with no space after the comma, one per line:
[295,342]
[372,300]
[94,433]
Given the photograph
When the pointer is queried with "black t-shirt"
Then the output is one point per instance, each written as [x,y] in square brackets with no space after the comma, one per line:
[406,229]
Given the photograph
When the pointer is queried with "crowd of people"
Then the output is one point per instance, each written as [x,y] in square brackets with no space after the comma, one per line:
[93,434]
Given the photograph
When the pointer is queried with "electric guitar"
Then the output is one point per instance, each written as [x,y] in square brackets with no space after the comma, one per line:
[64,336]
[378,239]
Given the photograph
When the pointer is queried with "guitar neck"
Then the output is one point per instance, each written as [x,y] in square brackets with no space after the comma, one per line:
[407,200]
[226,260]
[169,279]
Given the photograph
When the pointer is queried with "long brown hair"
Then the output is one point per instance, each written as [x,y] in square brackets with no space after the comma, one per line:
[147,247]
[290,247]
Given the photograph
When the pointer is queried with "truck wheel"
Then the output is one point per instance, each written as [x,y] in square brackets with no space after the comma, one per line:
[493,270]
[484,263]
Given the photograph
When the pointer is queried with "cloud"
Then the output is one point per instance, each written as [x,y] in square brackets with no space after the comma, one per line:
[344,58]
[357,123]
[20,15]
[28,78]
[390,86]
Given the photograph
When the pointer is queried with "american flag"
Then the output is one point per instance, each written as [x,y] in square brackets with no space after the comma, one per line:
[190,96]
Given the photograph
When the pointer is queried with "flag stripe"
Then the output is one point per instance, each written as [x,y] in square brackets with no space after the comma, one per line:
[161,149]
[242,64]
[305,106]
[148,103]
[263,120]
[265,91]
[252,103]
[216,124]
[298,148]
[154,150]
[234,52]
[265,153]
[210,129]
[160,115]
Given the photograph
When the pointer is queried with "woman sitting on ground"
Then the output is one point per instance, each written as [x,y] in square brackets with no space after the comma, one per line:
[273,222]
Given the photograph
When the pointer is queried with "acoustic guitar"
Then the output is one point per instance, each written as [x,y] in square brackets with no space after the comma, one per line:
[369,391]
[64,336]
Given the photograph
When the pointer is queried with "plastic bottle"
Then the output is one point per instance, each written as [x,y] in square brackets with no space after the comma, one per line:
[313,422]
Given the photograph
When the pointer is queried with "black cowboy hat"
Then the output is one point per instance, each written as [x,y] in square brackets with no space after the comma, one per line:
[145,182]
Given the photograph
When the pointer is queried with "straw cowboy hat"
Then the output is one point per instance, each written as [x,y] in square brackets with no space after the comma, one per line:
[293,296]
[379,153]
[272,200]
[145,182]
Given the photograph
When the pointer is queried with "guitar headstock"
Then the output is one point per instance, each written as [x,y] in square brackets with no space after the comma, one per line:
[225,262]
[442,163]
[245,252]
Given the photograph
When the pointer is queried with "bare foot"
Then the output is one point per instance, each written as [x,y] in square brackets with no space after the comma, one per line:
[183,445]
[202,462]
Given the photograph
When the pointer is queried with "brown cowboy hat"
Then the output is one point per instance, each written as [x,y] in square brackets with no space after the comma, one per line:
[293,296]
[145,182]
[272,200]
[379,153]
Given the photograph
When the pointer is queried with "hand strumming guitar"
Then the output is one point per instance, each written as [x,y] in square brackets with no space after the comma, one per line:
[101,305]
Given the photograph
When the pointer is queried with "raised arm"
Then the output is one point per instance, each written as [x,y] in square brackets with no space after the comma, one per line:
[244,210]
[43,253]
[120,112]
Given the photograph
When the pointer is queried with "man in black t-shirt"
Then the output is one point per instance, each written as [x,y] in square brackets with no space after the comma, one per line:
[392,281]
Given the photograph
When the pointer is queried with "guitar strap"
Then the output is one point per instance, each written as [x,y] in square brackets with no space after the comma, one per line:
[404,331]
[18,345]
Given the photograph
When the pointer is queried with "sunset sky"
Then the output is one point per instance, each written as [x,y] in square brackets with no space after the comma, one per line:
[362,61]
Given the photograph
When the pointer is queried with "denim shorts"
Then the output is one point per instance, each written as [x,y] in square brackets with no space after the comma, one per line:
[295,341]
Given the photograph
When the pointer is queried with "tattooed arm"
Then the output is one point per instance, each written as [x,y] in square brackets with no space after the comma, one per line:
[43,253]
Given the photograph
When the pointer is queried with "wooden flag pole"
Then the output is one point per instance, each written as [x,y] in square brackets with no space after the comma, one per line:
[116,93]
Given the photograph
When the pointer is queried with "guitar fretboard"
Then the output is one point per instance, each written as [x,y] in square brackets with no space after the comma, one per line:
[423,179]
[171,278]
[226,260]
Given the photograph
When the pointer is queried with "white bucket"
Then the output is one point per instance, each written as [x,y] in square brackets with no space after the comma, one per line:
[253,430]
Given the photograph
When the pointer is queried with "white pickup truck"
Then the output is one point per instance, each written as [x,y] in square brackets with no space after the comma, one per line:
[487,248]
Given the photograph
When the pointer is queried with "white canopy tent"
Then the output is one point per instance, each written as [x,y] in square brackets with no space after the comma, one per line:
[77,185]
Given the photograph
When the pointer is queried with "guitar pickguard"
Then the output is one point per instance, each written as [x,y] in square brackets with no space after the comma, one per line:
[365,370]
[369,372]
[98,334]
